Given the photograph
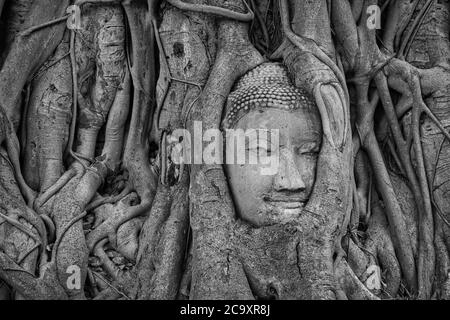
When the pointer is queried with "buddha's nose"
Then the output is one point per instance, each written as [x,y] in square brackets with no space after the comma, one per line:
[288,177]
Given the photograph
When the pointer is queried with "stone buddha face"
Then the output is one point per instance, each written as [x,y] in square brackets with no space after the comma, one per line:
[273,104]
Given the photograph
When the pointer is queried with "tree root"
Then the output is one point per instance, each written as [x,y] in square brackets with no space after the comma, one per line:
[107,292]
[128,238]
[222,12]
[53,190]
[351,285]
[73,62]
[108,228]
[109,200]
[21,227]
[29,31]
[107,264]
[408,38]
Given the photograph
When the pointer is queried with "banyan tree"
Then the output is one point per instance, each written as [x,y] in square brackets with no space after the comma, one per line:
[120,171]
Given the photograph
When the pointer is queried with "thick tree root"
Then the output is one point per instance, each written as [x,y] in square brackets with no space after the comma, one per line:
[225,13]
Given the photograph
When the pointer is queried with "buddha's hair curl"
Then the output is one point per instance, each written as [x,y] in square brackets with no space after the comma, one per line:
[266,86]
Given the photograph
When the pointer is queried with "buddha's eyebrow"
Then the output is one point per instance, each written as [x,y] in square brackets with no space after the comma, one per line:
[314,139]
[310,135]
[311,144]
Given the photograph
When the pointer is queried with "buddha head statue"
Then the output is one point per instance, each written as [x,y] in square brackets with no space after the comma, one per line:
[264,99]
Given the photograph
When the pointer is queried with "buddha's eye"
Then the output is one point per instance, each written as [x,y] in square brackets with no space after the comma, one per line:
[263,148]
[310,149]
[260,149]
[310,154]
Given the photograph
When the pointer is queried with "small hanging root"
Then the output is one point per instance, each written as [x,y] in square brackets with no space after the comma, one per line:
[222,12]
[182,168]
[99,276]
[82,2]
[262,25]
[74,93]
[29,31]
[189,109]
[23,124]
[158,111]
[408,39]
[113,199]
[42,71]
[163,158]
[35,220]
[16,269]
[107,294]
[323,113]
[51,229]
[28,253]
[424,108]
[21,227]
[50,192]
[394,154]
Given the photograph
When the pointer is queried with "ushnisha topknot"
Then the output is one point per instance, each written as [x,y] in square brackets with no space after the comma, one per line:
[266,86]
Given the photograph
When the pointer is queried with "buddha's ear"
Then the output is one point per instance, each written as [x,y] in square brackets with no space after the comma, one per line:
[333,113]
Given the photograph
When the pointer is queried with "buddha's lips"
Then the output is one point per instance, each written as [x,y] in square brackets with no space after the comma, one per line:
[289,202]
